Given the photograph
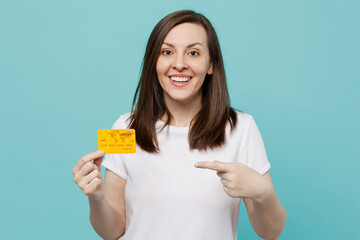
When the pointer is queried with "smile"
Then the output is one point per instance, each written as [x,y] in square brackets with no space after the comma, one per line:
[180,81]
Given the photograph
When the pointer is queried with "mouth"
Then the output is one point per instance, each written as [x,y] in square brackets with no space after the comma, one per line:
[180,79]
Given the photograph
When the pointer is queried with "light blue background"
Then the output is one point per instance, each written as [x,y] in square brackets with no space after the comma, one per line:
[68,68]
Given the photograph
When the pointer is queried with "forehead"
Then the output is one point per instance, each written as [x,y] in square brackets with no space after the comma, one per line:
[186,33]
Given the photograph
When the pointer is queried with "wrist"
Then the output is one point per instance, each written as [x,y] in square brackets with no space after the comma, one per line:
[97,198]
[266,190]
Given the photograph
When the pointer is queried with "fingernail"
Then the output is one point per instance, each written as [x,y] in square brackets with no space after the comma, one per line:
[196,164]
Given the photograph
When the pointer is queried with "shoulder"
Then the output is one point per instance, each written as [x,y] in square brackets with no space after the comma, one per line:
[243,119]
[122,121]
[244,123]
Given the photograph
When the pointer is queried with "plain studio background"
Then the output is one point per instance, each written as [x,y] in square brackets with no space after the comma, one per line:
[68,68]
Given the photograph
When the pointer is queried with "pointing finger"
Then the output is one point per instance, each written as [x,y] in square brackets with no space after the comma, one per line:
[216,166]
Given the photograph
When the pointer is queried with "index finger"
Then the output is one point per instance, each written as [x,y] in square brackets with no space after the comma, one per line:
[216,166]
[87,158]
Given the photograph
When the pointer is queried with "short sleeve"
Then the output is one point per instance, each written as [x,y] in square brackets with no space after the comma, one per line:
[115,162]
[253,153]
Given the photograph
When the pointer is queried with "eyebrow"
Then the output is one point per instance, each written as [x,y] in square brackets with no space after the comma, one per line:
[189,46]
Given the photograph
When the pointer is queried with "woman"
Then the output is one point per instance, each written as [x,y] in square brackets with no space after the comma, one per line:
[196,156]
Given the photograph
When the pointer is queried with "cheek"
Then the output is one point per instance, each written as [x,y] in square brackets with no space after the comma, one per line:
[201,68]
[161,67]
[158,68]
[160,71]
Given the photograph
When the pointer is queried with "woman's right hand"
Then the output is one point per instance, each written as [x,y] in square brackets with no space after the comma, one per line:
[87,175]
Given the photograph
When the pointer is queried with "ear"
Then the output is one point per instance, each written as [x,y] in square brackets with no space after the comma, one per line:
[210,71]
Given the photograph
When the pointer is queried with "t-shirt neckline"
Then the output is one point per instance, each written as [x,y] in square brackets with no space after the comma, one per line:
[160,124]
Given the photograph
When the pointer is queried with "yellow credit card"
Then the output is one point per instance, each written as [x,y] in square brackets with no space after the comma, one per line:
[116,140]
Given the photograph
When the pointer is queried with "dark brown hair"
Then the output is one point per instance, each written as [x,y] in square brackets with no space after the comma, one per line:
[208,128]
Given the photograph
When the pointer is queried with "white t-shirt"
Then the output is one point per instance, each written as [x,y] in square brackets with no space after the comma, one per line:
[167,197]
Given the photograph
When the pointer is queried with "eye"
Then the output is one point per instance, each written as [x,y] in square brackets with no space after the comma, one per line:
[194,53]
[166,52]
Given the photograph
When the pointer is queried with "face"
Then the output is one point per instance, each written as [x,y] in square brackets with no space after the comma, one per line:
[183,63]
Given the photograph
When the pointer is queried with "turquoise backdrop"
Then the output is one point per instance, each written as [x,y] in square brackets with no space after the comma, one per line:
[68,68]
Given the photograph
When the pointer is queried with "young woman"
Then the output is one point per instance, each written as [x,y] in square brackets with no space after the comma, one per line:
[196,157]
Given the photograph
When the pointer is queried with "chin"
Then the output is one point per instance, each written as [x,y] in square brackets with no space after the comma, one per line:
[179,99]
[182,99]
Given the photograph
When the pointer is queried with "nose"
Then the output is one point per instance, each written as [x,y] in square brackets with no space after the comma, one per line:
[179,63]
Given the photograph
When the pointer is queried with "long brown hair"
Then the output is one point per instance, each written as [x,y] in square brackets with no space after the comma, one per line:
[208,129]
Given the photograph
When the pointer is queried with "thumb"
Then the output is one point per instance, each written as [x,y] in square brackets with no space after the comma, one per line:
[100,158]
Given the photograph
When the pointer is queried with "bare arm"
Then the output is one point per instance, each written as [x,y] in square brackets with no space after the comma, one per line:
[106,200]
[267,216]
[108,216]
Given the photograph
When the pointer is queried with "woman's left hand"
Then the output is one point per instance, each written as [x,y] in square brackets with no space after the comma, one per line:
[239,180]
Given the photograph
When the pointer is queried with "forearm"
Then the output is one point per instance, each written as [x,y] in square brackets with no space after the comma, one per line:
[105,220]
[269,216]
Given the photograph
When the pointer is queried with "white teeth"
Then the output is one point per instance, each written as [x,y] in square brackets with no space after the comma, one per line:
[180,79]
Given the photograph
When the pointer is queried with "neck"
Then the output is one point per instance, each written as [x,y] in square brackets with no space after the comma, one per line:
[182,112]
